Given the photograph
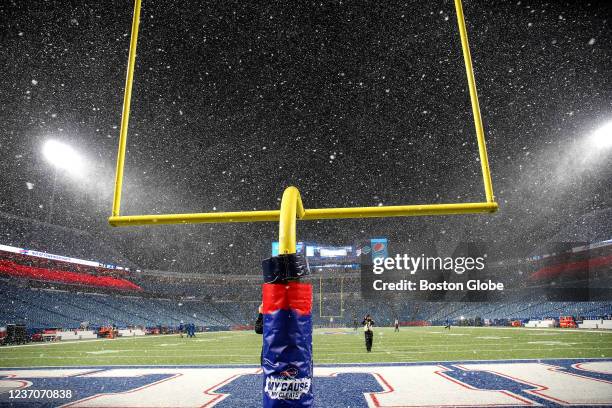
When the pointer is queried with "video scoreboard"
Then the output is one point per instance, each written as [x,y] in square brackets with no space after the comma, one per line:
[332,256]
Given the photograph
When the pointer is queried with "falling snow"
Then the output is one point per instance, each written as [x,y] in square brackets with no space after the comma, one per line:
[343,102]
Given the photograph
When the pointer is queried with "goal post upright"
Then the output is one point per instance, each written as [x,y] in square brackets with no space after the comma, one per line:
[125,112]
[469,70]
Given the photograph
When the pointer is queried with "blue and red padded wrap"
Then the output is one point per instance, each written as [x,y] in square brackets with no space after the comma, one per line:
[287,344]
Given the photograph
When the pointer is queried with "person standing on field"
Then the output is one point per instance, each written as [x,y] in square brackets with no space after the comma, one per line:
[259,327]
[367,324]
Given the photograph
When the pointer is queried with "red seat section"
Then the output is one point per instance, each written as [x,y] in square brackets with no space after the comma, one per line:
[44,274]
[575,269]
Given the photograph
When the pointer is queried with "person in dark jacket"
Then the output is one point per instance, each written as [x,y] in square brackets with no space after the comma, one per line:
[259,328]
[367,324]
[259,321]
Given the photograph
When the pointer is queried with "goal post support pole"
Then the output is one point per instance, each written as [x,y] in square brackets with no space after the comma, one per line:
[291,210]
[287,317]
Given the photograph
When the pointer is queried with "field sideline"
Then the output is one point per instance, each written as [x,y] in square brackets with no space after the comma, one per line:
[331,346]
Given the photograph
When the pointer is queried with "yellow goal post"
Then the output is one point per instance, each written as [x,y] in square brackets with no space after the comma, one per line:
[291,204]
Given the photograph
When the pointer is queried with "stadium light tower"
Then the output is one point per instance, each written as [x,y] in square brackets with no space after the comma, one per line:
[61,157]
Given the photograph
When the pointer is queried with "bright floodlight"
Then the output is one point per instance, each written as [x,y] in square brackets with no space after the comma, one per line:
[602,137]
[62,156]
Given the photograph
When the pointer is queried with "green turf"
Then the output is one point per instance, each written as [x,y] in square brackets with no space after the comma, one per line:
[410,344]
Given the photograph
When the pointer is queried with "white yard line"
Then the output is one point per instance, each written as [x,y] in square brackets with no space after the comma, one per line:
[407,361]
[557,330]
[159,336]
[51,343]
[131,356]
[182,356]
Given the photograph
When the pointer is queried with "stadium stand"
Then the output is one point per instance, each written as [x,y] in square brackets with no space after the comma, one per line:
[44,307]
[44,293]
[52,308]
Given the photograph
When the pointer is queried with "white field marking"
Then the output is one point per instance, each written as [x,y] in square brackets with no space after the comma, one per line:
[143,350]
[106,351]
[196,387]
[138,356]
[191,382]
[132,338]
[408,361]
[552,343]
[604,367]
[246,332]
[493,337]
[460,342]
[57,343]
[225,365]
[215,339]
[382,352]
[504,350]
[9,384]
[340,363]
[457,347]
[414,383]
[250,359]
[551,382]
[40,372]
[212,339]
[541,329]
[533,329]
[473,340]
[195,340]
[480,351]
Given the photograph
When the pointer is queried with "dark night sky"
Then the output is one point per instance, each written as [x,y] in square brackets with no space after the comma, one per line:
[355,103]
